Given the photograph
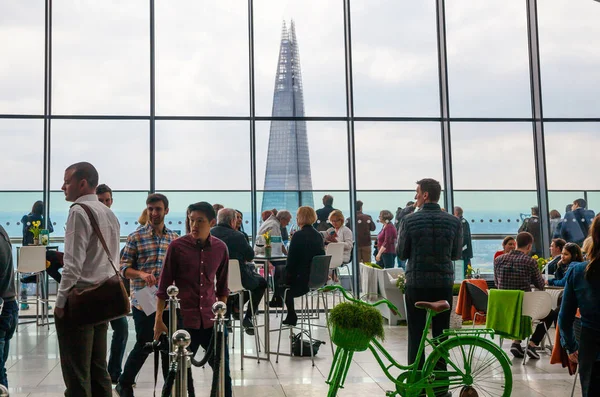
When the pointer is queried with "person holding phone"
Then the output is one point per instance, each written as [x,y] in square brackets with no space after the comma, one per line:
[339,233]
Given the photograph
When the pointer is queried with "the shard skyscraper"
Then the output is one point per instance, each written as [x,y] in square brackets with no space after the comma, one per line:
[288,181]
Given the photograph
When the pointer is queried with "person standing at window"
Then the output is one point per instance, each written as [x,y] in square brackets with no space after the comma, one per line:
[386,240]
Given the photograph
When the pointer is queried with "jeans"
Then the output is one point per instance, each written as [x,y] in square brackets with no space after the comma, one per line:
[83,359]
[8,324]
[387,260]
[117,347]
[144,333]
[589,367]
[201,337]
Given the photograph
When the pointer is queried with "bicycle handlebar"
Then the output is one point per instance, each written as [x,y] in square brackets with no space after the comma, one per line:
[349,297]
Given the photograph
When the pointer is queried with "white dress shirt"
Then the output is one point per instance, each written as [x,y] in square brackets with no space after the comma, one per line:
[85,261]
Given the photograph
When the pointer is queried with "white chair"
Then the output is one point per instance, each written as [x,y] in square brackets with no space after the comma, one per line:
[336,251]
[32,259]
[537,305]
[236,288]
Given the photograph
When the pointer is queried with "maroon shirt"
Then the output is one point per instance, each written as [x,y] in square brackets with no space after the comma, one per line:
[193,268]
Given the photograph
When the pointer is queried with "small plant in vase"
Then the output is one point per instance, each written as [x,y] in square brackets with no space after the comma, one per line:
[35,230]
[541,262]
[469,271]
[267,237]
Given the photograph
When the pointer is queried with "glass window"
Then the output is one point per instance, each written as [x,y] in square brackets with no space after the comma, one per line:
[394,155]
[568,37]
[318,161]
[117,148]
[202,58]
[495,156]
[570,159]
[488,62]
[22,49]
[394,55]
[101,57]
[202,155]
[13,205]
[22,159]
[308,53]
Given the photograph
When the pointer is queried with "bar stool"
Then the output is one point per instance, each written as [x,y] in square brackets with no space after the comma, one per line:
[32,259]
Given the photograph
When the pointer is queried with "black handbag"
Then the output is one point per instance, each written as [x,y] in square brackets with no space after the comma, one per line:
[301,348]
[98,303]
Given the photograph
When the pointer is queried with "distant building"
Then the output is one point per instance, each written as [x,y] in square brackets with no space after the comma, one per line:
[288,180]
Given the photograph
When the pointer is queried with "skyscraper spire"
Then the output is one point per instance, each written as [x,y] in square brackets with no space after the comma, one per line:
[288,161]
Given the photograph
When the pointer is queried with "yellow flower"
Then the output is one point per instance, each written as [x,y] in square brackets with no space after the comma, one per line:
[535,257]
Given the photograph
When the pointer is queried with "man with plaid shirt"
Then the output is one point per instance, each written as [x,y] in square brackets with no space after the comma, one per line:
[518,271]
[142,262]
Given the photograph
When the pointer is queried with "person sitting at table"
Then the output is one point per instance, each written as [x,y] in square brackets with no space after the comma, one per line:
[518,271]
[274,223]
[571,254]
[508,245]
[240,249]
[306,243]
[556,247]
[339,233]
[582,291]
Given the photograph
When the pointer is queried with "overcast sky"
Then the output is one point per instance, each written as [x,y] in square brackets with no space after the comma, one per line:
[101,67]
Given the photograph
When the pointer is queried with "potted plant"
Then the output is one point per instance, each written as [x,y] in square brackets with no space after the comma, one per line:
[353,325]
[35,230]
[267,237]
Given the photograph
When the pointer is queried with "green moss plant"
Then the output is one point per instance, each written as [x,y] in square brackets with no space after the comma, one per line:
[361,317]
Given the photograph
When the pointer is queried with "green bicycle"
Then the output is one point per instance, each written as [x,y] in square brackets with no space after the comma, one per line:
[461,363]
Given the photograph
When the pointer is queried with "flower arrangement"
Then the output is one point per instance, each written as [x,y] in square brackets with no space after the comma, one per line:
[35,229]
[541,262]
[401,283]
[267,236]
[469,271]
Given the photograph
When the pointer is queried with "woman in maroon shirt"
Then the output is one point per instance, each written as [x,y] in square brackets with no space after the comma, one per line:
[386,241]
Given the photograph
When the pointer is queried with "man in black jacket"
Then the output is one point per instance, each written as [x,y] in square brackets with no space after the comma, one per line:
[532,225]
[430,239]
[467,245]
[240,249]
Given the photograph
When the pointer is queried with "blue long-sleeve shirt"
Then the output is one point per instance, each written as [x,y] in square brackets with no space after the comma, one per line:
[579,293]
[560,276]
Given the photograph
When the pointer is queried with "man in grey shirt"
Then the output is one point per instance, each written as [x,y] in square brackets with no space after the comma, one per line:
[10,309]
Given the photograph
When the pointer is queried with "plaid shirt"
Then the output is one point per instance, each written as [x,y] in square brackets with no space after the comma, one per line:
[145,251]
[517,271]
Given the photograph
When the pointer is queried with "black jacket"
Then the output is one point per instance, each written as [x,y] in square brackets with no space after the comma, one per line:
[467,244]
[322,217]
[239,249]
[430,239]
[533,226]
[306,243]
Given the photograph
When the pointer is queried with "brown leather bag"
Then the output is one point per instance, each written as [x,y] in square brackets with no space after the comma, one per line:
[98,303]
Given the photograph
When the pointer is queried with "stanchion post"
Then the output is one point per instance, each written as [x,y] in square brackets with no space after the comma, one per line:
[181,340]
[172,291]
[219,309]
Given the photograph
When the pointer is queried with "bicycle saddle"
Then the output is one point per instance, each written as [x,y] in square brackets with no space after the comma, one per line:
[438,307]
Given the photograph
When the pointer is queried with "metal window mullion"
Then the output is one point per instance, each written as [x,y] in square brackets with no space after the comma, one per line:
[47,109]
[538,126]
[444,107]
[251,83]
[350,137]
[152,136]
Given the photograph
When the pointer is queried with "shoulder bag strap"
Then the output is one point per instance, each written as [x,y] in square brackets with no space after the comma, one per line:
[96,229]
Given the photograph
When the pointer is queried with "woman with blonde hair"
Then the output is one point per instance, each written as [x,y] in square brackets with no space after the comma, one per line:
[339,233]
[582,291]
[306,243]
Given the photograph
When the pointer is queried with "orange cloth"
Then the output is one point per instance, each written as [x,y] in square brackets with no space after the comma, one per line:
[465,307]
[560,355]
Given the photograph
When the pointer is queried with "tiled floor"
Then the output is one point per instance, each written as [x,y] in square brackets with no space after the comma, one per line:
[34,370]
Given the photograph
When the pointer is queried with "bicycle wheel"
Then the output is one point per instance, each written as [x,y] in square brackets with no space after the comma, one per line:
[475,367]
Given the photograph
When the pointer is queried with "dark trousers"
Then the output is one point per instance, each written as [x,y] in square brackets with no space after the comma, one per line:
[144,333]
[540,331]
[589,366]
[257,295]
[416,318]
[83,359]
[117,347]
[201,337]
[8,324]
[387,260]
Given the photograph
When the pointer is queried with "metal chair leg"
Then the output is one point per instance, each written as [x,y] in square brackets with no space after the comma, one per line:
[254,324]
[327,320]
[241,321]
[280,327]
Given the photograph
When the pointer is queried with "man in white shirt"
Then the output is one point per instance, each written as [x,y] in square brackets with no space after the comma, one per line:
[83,347]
